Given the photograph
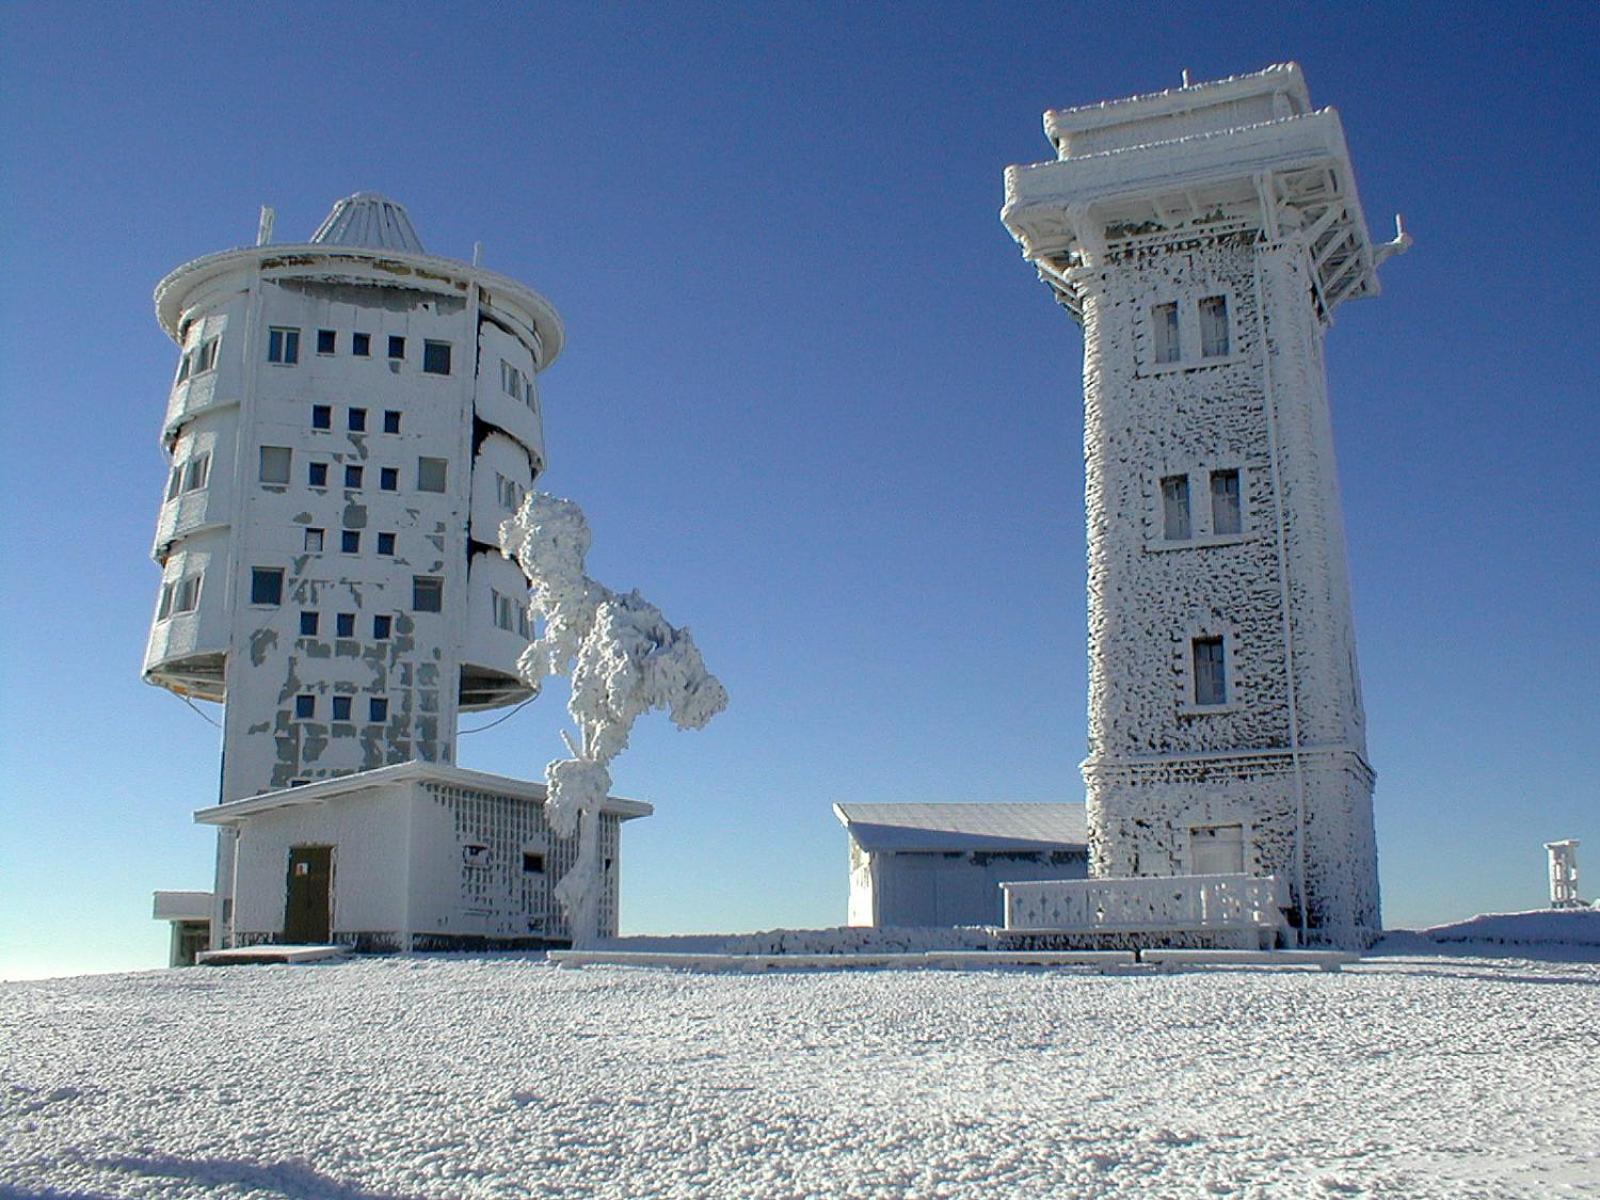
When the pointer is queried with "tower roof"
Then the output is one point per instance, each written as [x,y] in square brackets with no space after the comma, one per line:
[368,219]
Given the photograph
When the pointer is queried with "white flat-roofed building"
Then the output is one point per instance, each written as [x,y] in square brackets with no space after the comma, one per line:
[419,856]
[922,865]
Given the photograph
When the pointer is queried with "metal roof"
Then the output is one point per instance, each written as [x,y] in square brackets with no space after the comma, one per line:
[951,827]
[368,219]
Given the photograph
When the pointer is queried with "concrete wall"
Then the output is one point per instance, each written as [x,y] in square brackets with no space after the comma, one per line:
[927,889]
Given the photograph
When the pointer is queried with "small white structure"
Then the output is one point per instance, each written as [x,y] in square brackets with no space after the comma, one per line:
[922,865]
[1564,873]
[1214,910]
[419,856]
[189,915]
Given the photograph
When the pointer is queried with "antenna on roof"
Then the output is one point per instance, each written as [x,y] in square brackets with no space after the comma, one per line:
[1186,82]
[264,229]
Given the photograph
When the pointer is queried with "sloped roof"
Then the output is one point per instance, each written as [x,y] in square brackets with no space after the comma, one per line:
[368,219]
[947,827]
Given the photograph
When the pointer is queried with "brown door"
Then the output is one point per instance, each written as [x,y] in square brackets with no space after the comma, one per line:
[308,903]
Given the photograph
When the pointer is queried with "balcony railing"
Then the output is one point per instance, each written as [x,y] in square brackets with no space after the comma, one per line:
[1187,902]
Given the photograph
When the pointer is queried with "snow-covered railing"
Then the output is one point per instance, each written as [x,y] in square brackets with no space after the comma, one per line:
[1197,902]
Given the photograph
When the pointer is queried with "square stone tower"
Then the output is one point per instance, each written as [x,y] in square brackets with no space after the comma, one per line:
[1203,237]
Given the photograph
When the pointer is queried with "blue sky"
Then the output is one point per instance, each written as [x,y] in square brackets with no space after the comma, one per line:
[814,403]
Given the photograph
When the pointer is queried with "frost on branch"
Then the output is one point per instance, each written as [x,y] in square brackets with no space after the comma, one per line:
[625,659]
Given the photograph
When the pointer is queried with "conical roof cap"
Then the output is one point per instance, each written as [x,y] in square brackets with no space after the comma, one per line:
[368,219]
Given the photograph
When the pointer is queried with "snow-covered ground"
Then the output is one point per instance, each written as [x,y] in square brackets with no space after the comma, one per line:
[1465,1073]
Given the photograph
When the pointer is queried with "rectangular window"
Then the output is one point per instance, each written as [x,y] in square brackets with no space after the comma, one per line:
[427,593]
[503,616]
[386,543]
[275,463]
[431,474]
[358,420]
[196,472]
[389,478]
[322,416]
[283,345]
[327,341]
[382,626]
[436,358]
[314,538]
[187,596]
[510,380]
[308,624]
[397,347]
[184,364]
[509,492]
[341,708]
[391,420]
[317,474]
[1225,513]
[1164,327]
[305,707]
[361,344]
[206,357]
[344,625]
[164,609]
[352,477]
[350,541]
[1210,673]
[266,585]
[1214,327]
[1175,508]
[532,864]
[377,709]
[175,481]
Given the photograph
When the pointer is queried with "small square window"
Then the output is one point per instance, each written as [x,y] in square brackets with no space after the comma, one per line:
[341,708]
[317,474]
[283,346]
[386,543]
[431,473]
[322,416]
[308,624]
[305,707]
[377,709]
[1210,672]
[532,864]
[175,482]
[397,347]
[1225,511]
[314,539]
[389,478]
[361,344]
[344,625]
[391,420]
[382,626]
[427,594]
[327,341]
[266,585]
[275,462]
[436,358]
[350,541]
[352,477]
[358,420]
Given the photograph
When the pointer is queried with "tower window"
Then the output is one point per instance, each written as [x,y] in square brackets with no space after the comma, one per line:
[436,358]
[179,596]
[532,864]
[317,474]
[205,358]
[1164,326]
[322,416]
[1175,525]
[389,478]
[175,481]
[386,543]
[314,538]
[275,461]
[382,625]
[266,585]
[341,708]
[1225,512]
[196,471]
[397,347]
[344,625]
[1210,672]
[350,541]
[352,477]
[1214,327]
[427,593]
[327,341]
[391,420]
[308,624]
[358,420]
[361,344]
[378,709]
[283,345]
[305,707]
[431,473]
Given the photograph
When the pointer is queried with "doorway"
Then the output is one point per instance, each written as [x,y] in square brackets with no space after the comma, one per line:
[308,902]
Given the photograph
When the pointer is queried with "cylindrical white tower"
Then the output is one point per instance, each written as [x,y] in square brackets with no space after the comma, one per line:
[350,421]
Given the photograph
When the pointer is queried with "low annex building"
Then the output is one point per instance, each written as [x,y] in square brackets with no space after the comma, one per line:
[417,856]
[943,864]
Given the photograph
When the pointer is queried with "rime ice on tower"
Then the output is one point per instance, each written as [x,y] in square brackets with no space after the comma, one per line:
[1203,238]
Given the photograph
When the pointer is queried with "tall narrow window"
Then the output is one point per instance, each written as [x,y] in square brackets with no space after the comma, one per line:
[1175,508]
[184,363]
[397,347]
[175,481]
[283,345]
[165,609]
[382,626]
[436,358]
[1214,327]
[1225,517]
[1210,673]
[275,462]
[266,585]
[1164,326]
[308,624]
[187,597]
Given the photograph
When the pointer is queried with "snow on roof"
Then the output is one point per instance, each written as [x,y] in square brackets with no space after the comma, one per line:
[368,219]
[890,827]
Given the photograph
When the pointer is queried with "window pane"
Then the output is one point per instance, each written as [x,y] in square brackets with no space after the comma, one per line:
[1225,502]
[308,624]
[327,341]
[389,478]
[317,474]
[341,708]
[174,482]
[352,477]
[386,543]
[1214,326]
[379,710]
[381,626]
[165,609]
[322,416]
[266,585]
[397,347]
[436,358]
[391,421]
[358,420]
[361,344]
[314,540]
[345,625]
[427,594]
[1175,508]
[430,474]
[350,542]
[1164,322]
[275,461]
[1209,676]
[305,707]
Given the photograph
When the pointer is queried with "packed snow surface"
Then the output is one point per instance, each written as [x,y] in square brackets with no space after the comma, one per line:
[1430,1075]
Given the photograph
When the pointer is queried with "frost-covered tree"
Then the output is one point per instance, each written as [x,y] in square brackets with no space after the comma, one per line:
[624,659]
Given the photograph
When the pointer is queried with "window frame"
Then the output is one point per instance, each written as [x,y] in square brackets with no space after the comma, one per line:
[342,706]
[327,341]
[268,580]
[263,458]
[315,539]
[432,348]
[397,347]
[349,541]
[317,474]
[431,586]
[391,420]
[353,475]
[424,461]
[388,479]
[322,416]
[360,344]
[356,420]
[283,345]
[344,625]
